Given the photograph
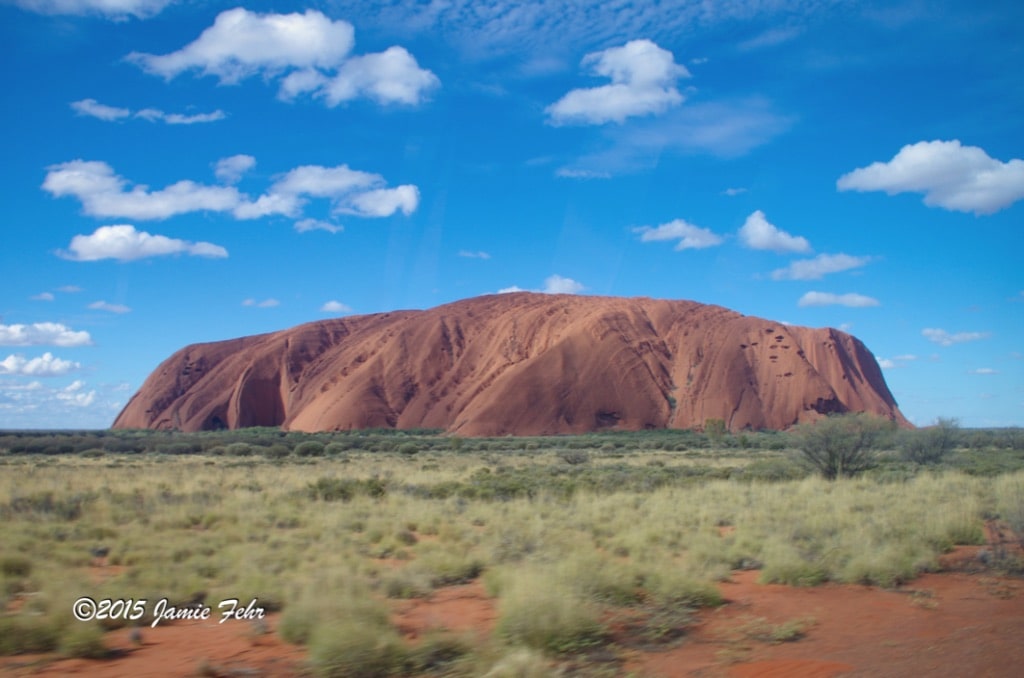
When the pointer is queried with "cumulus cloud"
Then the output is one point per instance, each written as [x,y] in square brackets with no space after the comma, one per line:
[106,194]
[731,192]
[688,235]
[43,296]
[553,284]
[108,307]
[43,334]
[73,394]
[389,77]
[351,191]
[335,307]
[944,338]
[116,9]
[950,175]
[94,109]
[308,53]
[307,225]
[45,365]
[895,362]
[819,267]
[983,371]
[851,300]
[230,170]
[123,243]
[556,284]
[266,303]
[643,82]
[757,233]
[383,202]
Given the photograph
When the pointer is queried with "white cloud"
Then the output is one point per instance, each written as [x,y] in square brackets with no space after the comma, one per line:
[308,52]
[688,235]
[230,170]
[241,43]
[155,115]
[74,395]
[95,109]
[556,284]
[643,77]
[553,284]
[819,266]
[307,225]
[106,194]
[124,243]
[895,362]
[383,202]
[731,192]
[951,176]
[474,255]
[108,307]
[45,365]
[389,77]
[569,173]
[335,307]
[983,371]
[944,338]
[757,233]
[140,9]
[266,303]
[324,182]
[851,299]
[69,289]
[42,334]
[352,191]
[42,296]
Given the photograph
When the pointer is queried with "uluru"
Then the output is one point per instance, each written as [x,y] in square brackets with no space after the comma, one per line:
[519,364]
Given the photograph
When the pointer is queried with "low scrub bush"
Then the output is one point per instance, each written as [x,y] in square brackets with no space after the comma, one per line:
[535,611]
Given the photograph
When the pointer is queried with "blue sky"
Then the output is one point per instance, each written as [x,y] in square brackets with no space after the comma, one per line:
[184,171]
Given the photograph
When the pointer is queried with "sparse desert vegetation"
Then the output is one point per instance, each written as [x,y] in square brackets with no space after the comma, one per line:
[589,546]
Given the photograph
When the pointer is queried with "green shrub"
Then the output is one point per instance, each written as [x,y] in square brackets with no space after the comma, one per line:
[350,649]
[15,566]
[310,448]
[84,641]
[842,445]
[536,614]
[24,634]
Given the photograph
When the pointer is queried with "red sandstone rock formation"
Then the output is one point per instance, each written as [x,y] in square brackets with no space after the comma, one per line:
[522,364]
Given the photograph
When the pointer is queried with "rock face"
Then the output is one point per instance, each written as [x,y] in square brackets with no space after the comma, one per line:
[521,364]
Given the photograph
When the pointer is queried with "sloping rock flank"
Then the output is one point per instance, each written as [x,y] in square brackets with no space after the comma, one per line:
[521,364]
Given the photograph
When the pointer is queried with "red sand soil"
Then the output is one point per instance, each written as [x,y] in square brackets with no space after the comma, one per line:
[191,648]
[962,623]
[520,364]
